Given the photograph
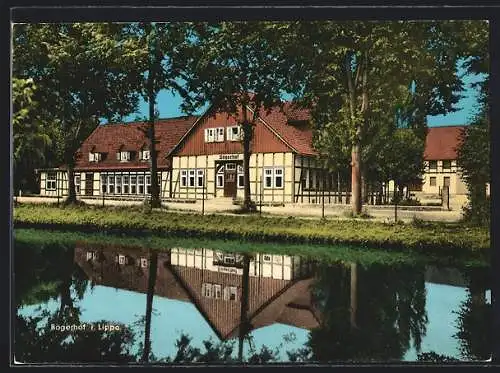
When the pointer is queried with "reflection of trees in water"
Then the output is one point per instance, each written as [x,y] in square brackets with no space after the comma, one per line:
[475,318]
[35,338]
[474,321]
[368,314]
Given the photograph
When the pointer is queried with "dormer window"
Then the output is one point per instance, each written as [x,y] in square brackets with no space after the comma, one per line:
[145,155]
[123,156]
[234,133]
[94,157]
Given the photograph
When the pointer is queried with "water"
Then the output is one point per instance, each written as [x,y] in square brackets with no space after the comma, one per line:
[204,305]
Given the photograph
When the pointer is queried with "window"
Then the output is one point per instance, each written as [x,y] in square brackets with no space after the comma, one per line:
[268,178]
[191,178]
[446,181]
[217,291]
[447,165]
[104,186]
[125,184]
[229,260]
[278,178]
[241,177]
[89,255]
[183,178]
[234,133]
[433,181]
[200,178]
[144,262]
[220,177]
[210,134]
[219,134]
[230,293]
[145,155]
[121,259]
[133,184]
[206,290]
[267,258]
[123,156]
[77,184]
[111,184]
[273,177]
[94,157]
[148,184]
[140,184]
[119,184]
[433,165]
[51,181]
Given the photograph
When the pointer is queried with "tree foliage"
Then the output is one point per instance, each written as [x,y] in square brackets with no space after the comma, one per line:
[82,74]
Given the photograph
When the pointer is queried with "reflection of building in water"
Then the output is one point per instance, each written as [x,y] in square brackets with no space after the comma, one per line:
[279,285]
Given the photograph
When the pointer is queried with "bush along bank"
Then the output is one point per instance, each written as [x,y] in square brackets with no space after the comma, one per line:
[433,239]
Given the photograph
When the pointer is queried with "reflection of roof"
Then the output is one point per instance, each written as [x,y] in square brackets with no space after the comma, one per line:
[441,142]
[270,300]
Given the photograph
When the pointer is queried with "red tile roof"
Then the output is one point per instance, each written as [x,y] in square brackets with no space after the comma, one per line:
[110,138]
[297,135]
[442,142]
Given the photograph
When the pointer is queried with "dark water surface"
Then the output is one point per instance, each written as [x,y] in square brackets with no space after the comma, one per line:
[102,302]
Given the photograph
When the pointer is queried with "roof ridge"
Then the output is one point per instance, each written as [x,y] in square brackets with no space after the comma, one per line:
[137,122]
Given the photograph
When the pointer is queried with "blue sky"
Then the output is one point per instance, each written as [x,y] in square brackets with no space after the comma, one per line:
[168,105]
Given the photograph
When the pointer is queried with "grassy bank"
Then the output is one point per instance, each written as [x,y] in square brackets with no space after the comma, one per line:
[431,239]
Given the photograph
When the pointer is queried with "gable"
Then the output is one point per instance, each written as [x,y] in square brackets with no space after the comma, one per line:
[264,140]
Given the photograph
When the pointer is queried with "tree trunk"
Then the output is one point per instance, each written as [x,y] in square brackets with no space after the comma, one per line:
[356,145]
[71,199]
[247,136]
[396,197]
[244,323]
[155,193]
[354,298]
[149,305]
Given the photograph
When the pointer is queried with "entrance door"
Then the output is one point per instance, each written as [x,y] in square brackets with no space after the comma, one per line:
[89,184]
[230,180]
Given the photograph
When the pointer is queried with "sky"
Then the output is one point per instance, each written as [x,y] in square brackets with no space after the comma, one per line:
[168,105]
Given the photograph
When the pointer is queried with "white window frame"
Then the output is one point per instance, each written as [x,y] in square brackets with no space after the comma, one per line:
[51,182]
[240,177]
[111,183]
[217,291]
[90,255]
[140,184]
[207,290]
[191,178]
[104,184]
[220,177]
[121,259]
[266,258]
[145,155]
[232,290]
[200,178]
[278,175]
[94,157]
[144,263]
[219,134]
[184,178]
[125,184]
[147,183]
[435,168]
[231,136]
[118,184]
[78,184]
[268,175]
[210,134]
[133,184]
[124,156]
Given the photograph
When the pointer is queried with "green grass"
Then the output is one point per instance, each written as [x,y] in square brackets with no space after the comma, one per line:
[435,240]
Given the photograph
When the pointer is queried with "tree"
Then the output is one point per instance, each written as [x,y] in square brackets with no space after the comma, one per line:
[81,71]
[154,49]
[236,67]
[31,136]
[352,72]
[474,162]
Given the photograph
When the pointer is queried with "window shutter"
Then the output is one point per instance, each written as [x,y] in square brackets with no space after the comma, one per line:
[226,293]
[228,133]
[91,157]
[206,134]
[203,286]
[118,156]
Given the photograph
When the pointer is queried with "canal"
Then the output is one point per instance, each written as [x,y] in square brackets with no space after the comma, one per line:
[91,301]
